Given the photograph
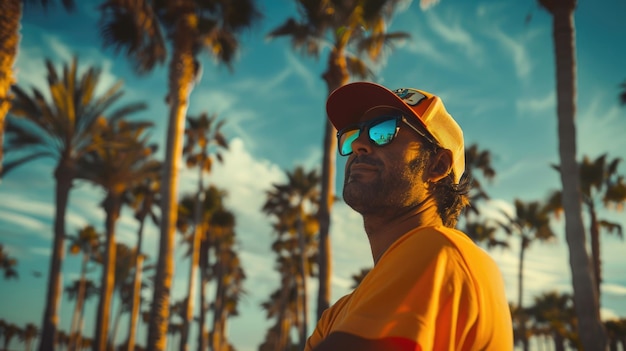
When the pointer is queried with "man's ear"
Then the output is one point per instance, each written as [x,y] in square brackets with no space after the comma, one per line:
[440,165]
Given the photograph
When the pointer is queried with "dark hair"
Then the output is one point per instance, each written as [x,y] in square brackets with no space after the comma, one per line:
[451,198]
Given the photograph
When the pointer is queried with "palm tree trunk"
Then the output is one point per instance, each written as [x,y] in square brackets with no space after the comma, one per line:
[64,175]
[335,76]
[193,269]
[520,297]
[136,293]
[78,308]
[559,343]
[181,74]
[191,288]
[217,335]
[203,337]
[594,231]
[9,40]
[112,209]
[302,291]
[590,329]
[284,322]
[116,324]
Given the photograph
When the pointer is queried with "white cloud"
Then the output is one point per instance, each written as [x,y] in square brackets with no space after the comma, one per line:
[598,121]
[613,289]
[539,106]
[26,223]
[40,251]
[608,314]
[420,46]
[516,48]
[309,78]
[451,31]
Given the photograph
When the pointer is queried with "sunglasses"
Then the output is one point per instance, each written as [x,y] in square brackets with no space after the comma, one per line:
[381,131]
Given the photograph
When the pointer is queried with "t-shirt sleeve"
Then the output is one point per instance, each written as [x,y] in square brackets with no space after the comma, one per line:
[421,291]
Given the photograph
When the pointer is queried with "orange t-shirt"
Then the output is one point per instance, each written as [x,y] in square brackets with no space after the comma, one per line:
[433,286]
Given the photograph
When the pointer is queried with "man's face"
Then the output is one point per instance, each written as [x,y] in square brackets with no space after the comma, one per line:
[385,178]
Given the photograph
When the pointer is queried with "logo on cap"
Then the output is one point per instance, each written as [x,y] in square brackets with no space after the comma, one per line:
[410,96]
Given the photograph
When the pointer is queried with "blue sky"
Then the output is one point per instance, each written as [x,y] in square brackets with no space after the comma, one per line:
[494,71]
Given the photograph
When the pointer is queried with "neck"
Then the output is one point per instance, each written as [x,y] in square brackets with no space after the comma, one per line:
[383,230]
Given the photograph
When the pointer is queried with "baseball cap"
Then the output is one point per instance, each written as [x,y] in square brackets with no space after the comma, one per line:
[348,103]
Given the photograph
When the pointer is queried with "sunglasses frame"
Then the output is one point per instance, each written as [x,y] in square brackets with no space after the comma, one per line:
[361,126]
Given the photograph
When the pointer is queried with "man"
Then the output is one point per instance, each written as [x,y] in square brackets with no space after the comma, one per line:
[431,287]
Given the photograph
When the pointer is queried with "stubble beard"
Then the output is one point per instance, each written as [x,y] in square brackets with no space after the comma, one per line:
[390,192]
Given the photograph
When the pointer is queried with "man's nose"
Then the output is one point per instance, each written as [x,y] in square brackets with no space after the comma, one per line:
[362,144]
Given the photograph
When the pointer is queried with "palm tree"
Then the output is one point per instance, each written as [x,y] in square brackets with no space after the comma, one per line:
[190,220]
[283,304]
[531,222]
[27,335]
[484,231]
[7,264]
[600,182]
[229,276]
[140,28]
[9,41]
[116,169]
[9,331]
[125,258]
[586,302]
[477,160]
[81,290]
[616,330]
[62,339]
[292,204]
[86,241]
[203,143]
[143,198]
[554,313]
[358,278]
[351,29]
[63,128]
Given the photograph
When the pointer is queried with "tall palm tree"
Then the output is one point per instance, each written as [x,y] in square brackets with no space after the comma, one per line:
[7,264]
[81,290]
[554,312]
[86,241]
[143,198]
[204,141]
[294,204]
[532,223]
[351,29]
[125,258]
[140,29]
[10,17]
[283,304]
[63,128]
[477,160]
[228,274]
[189,220]
[9,331]
[616,330]
[586,302]
[600,183]
[28,334]
[117,169]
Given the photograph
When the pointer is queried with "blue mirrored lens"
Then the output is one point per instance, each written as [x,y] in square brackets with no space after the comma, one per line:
[383,132]
[346,139]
